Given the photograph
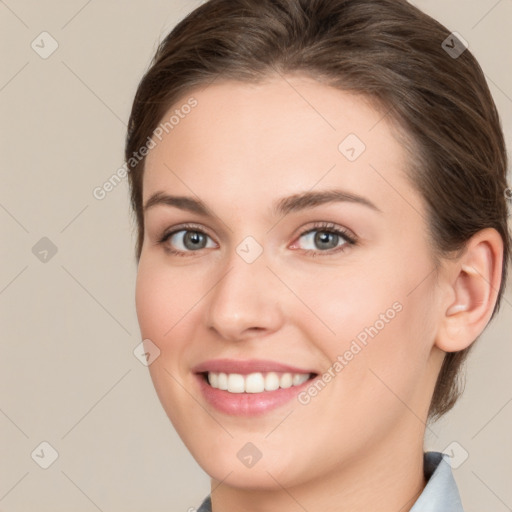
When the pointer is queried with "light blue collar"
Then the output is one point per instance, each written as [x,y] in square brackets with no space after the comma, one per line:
[441,491]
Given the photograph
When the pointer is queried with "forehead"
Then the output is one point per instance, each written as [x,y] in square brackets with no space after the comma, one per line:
[284,135]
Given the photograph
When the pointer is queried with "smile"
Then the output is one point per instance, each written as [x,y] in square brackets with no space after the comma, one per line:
[250,387]
[255,382]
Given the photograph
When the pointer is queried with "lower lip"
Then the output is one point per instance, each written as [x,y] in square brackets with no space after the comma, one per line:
[248,404]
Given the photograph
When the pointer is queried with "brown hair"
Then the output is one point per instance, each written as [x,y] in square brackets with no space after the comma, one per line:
[387,50]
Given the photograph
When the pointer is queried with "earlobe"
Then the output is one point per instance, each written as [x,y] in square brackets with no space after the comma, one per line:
[475,281]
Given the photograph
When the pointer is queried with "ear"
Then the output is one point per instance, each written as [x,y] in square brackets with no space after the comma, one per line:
[472,283]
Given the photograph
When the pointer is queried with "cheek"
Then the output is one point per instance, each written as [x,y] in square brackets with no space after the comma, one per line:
[164,305]
[162,300]
[378,322]
[349,304]
[150,300]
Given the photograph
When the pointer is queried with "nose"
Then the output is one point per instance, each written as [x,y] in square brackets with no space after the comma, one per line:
[246,300]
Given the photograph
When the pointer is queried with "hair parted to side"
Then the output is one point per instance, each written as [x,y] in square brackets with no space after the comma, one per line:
[390,52]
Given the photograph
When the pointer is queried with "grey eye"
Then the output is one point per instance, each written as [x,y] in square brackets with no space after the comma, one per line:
[322,239]
[188,240]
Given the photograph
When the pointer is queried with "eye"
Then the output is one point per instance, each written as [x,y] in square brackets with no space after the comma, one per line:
[185,240]
[325,238]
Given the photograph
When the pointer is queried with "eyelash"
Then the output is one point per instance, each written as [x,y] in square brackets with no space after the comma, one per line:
[322,227]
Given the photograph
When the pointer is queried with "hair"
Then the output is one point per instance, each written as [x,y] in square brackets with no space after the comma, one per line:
[388,51]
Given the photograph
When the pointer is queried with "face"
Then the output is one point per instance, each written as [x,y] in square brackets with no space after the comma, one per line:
[286,283]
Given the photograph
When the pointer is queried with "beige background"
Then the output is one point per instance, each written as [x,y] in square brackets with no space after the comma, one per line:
[68,375]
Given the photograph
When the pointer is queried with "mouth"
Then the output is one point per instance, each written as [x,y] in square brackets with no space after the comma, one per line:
[257,382]
[250,388]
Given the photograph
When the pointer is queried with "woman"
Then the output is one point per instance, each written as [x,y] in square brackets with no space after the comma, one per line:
[320,195]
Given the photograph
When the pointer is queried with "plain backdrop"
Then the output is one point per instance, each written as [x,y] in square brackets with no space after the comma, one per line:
[68,375]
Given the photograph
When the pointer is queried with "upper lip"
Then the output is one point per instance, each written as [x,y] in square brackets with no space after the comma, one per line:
[246,366]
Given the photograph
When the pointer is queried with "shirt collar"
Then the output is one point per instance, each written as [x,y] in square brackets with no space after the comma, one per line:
[441,491]
[439,495]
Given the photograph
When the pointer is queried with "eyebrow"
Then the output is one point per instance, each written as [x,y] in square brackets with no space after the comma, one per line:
[282,206]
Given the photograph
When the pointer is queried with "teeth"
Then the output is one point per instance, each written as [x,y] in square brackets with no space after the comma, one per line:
[222,381]
[255,382]
[298,379]
[271,381]
[236,383]
[286,380]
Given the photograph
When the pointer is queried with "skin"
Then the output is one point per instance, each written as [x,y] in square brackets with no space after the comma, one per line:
[358,444]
